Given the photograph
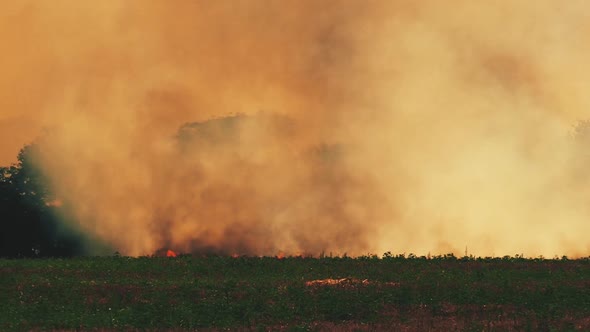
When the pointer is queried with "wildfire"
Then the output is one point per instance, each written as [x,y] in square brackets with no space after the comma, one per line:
[54,203]
[170,253]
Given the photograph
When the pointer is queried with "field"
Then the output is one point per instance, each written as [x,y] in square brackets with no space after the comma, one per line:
[213,293]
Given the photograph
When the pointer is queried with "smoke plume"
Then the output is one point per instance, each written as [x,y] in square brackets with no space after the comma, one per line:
[306,126]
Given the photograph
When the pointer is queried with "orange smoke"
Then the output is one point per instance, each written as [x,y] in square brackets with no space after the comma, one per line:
[338,126]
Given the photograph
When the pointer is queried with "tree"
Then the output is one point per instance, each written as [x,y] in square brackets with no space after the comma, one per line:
[582,131]
[29,225]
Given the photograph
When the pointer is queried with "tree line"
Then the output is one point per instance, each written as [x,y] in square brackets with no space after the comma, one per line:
[33,225]
[30,225]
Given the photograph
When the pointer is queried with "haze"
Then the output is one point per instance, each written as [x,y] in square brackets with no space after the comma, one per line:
[454,120]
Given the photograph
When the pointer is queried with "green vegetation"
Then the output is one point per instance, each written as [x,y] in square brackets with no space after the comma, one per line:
[393,292]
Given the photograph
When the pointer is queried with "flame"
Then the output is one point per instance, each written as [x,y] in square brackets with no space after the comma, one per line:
[54,203]
[280,255]
[170,253]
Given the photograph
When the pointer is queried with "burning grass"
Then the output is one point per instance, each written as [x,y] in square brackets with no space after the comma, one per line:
[294,293]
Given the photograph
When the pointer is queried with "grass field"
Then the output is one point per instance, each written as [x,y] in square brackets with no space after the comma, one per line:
[392,293]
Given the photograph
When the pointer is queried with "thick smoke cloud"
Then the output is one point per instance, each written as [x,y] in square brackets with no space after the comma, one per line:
[368,126]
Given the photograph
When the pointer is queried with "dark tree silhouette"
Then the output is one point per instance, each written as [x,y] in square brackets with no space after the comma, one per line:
[29,224]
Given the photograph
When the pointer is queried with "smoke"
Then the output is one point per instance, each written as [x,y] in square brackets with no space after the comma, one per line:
[369,126]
